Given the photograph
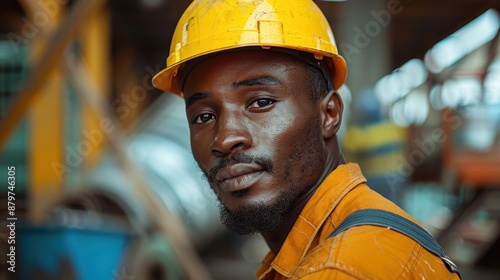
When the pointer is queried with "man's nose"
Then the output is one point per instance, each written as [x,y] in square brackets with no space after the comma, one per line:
[232,135]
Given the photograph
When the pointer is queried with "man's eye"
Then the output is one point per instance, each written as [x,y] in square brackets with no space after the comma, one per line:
[261,103]
[203,118]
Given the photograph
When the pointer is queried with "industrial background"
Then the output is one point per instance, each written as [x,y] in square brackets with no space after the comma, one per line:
[105,185]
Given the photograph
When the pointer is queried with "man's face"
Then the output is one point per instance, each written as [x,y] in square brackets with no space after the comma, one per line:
[255,133]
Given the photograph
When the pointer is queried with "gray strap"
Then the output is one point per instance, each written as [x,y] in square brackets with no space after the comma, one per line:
[377,217]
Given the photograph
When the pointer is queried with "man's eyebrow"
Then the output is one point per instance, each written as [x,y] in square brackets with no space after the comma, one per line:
[195,97]
[266,81]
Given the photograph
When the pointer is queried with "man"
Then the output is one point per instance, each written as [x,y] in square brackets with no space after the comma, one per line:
[259,80]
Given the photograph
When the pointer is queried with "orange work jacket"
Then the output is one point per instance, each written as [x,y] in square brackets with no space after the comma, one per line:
[362,252]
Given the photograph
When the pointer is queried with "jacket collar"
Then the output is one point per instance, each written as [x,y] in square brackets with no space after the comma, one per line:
[305,230]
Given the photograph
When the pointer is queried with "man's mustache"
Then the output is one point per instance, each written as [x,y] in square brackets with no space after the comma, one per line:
[266,164]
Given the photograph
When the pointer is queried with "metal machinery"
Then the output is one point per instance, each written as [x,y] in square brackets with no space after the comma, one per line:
[451,101]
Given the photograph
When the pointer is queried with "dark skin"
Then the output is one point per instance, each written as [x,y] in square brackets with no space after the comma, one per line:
[257,104]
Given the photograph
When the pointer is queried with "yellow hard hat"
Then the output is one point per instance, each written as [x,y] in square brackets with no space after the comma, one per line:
[211,26]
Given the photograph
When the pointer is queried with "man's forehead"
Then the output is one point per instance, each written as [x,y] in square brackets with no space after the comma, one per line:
[256,56]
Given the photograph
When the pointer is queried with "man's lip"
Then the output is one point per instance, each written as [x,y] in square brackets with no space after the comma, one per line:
[239,176]
[237,170]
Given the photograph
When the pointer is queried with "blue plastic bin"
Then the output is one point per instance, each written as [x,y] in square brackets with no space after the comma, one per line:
[55,252]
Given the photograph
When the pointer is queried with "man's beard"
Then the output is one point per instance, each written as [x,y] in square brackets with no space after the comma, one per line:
[258,217]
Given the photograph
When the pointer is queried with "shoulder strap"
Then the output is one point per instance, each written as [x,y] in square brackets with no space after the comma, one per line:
[377,217]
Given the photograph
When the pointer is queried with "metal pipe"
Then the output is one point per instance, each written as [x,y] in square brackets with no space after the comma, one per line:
[163,221]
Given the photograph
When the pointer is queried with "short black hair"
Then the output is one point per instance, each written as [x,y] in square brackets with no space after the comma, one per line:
[316,82]
[315,79]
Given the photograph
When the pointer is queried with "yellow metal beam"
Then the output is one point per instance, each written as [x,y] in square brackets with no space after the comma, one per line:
[46,142]
[46,136]
[95,39]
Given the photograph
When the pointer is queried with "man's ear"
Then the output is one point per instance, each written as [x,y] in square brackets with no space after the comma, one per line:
[331,107]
